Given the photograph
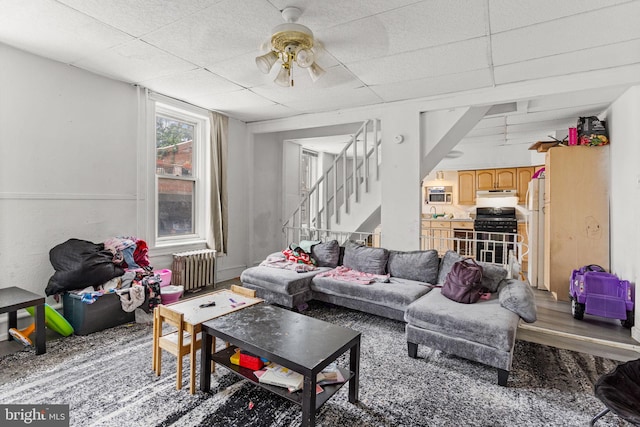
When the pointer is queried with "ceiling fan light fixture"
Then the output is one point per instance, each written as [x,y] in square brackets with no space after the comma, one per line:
[284,77]
[305,57]
[290,43]
[265,62]
[315,71]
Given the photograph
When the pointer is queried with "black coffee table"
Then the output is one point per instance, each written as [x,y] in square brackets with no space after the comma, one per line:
[300,343]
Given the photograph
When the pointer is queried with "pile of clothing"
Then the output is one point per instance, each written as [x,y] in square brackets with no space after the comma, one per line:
[118,265]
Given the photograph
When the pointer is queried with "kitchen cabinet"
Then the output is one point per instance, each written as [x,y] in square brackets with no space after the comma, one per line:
[496,179]
[576,213]
[467,187]
[524,175]
[437,235]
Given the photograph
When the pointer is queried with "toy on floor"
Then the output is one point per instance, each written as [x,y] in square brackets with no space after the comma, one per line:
[594,291]
[52,319]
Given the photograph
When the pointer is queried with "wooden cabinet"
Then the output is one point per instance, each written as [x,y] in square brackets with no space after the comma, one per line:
[494,179]
[576,213]
[524,176]
[437,235]
[466,187]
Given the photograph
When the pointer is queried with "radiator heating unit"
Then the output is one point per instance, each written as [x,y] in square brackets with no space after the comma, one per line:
[194,269]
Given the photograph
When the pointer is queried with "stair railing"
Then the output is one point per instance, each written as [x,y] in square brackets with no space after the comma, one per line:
[349,174]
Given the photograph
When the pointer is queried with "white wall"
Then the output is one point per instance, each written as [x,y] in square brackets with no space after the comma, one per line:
[624,129]
[68,144]
[266,216]
[68,150]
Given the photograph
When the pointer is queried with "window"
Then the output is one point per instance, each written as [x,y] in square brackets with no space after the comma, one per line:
[179,171]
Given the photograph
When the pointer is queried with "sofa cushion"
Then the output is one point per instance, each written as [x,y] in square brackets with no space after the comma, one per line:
[279,280]
[421,266]
[363,258]
[326,254]
[397,294]
[492,274]
[517,296]
[485,322]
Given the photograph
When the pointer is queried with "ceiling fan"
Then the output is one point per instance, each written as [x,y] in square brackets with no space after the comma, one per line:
[291,43]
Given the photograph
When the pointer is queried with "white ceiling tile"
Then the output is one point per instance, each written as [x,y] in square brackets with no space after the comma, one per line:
[139,17]
[509,14]
[344,98]
[329,13]
[191,84]
[55,31]
[135,61]
[229,29]
[434,86]
[571,62]
[420,25]
[587,30]
[435,61]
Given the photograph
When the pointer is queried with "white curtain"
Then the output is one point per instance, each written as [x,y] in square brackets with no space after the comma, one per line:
[217,238]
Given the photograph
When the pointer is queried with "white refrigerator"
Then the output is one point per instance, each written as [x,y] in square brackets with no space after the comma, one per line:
[535,232]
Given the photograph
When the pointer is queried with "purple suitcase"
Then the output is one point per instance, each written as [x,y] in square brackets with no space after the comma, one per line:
[596,292]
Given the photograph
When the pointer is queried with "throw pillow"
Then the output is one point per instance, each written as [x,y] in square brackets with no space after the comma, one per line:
[421,266]
[517,296]
[326,254]
[492,274]
[365,259]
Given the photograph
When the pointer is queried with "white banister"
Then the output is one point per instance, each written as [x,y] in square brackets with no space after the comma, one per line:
[316,210]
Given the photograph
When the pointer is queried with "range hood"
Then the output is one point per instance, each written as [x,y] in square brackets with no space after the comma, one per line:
[496,198]
[496,193]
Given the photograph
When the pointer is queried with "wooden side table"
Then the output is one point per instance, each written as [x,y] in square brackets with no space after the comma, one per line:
[14,298]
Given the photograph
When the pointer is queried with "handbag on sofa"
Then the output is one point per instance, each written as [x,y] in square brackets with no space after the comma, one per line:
[464,282]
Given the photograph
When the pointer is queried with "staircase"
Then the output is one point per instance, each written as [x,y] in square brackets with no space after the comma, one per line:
[346,196]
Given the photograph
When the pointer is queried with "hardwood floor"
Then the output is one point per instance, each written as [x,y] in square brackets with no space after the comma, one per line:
[593,335]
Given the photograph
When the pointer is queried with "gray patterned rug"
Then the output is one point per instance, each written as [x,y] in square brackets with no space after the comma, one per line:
[107,380]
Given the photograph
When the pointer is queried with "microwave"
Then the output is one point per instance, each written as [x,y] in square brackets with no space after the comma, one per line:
[442,195]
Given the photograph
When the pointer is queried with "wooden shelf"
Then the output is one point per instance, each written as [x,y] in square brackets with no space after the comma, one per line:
[222,357]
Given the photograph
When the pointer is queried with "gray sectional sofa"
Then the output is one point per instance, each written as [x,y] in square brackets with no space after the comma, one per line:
[403,286]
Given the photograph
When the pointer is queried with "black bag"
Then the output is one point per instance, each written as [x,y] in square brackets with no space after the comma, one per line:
[592,131]
[464,282]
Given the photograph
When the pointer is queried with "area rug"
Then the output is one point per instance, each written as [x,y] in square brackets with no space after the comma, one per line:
[107,380]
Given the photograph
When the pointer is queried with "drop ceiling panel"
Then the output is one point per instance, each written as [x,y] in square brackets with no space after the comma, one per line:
[329,13]
[191,84]
[434,86]
[343,98]
[572,62]
[569,34]
[242,104]
[226,30]
[134,62]
[139,17]
[417,26]
[508,14]
[52,30]
[452,58]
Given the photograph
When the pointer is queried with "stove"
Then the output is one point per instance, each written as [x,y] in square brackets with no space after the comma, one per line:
[498,220]
[496,230]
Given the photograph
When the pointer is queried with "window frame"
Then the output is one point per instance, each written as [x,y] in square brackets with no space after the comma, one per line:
[172,109]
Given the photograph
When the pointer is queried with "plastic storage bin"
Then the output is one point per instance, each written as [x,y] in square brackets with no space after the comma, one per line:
[105,313]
